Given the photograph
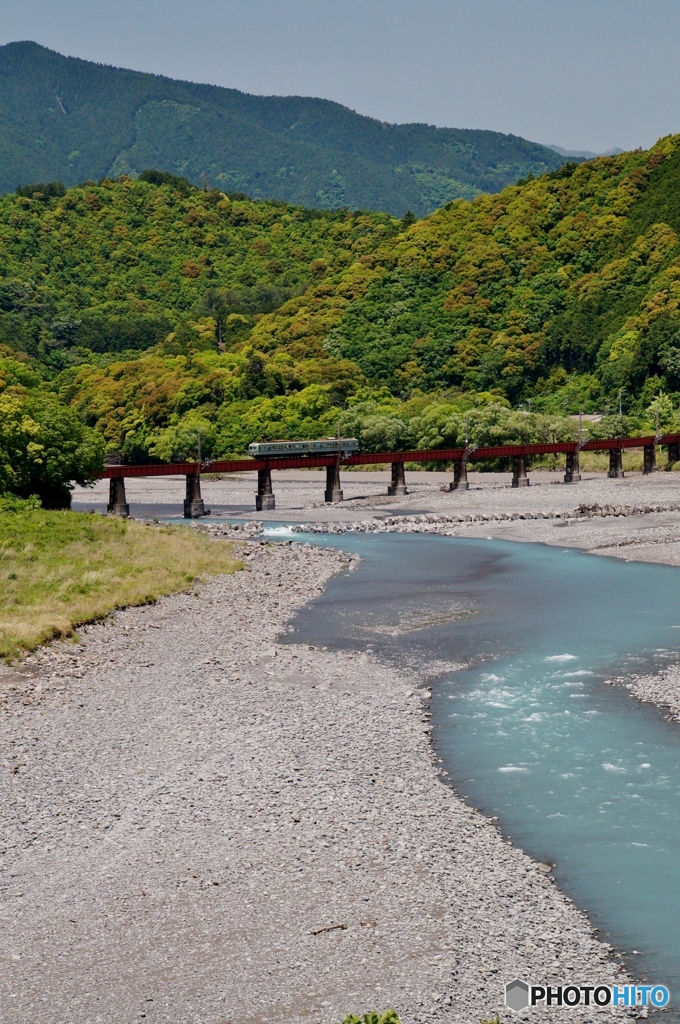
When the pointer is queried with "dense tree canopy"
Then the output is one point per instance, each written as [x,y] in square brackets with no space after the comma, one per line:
[153,310]
[115,266]
[43,444]
[563,290]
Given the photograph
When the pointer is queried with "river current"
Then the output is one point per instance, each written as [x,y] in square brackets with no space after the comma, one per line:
[579,774]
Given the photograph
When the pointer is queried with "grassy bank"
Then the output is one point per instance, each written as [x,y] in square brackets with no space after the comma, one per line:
[598,462]
[58,569]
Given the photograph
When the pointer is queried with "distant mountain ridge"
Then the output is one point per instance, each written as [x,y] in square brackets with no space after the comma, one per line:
[74,120]
[583,154]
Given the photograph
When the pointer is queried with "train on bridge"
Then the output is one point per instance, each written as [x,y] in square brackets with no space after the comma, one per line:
[325,446]
[334,453]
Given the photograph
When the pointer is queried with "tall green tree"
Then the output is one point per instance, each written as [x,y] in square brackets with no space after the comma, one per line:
[44,447]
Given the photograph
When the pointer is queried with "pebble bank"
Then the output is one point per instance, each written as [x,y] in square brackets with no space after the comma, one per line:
[201,823]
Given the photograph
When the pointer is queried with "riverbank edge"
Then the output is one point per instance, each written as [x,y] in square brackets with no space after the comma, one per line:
[662,688]
[493,897]
[604,964]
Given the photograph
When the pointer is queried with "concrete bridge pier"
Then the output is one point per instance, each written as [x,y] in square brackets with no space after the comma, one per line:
[194,507]
[397,487]
[615,464]
[572,472]
[117,505]
[519,471]
[264,499]
[460,480]
[649,463]
[333,489]
[673,455]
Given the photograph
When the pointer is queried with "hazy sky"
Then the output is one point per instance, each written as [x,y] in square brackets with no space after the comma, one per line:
[583,74]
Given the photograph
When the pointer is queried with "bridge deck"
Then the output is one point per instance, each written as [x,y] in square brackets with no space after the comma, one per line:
[247,465]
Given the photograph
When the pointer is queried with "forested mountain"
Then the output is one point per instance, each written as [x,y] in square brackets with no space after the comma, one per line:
[570,279]
[73,120]
[116,266]
[155,309]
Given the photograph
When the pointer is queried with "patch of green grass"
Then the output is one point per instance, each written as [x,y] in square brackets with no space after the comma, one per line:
[58,569]
[388,1017]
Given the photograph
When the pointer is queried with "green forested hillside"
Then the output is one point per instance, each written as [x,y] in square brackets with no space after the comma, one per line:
[134,300]
[154,310]
[562,289]
[114,266]
[71,120]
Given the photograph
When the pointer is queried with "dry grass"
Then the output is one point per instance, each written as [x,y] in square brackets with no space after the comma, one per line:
[598,462]
[633,461]
[58,569]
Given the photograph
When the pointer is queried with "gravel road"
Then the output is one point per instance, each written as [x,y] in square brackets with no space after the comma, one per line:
[202,825]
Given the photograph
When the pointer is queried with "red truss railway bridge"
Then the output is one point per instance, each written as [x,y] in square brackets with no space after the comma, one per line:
[459,457]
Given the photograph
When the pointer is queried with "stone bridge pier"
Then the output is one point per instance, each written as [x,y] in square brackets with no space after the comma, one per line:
[519,471]
[572,472]
[117,505]
[460,479]
[397,485]
[264,499]
[615,464]
[649,463]
[673,455]
[194,507]
[333,491]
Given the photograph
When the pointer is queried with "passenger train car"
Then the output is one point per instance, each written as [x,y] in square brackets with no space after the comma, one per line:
[325,446]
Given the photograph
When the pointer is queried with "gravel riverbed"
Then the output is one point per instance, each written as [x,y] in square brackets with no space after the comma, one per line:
[201,824]
[662,689]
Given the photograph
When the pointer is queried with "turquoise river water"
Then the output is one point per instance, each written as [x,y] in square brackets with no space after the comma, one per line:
[578,773]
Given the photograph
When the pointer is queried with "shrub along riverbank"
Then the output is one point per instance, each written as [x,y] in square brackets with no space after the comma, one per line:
[59,569]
